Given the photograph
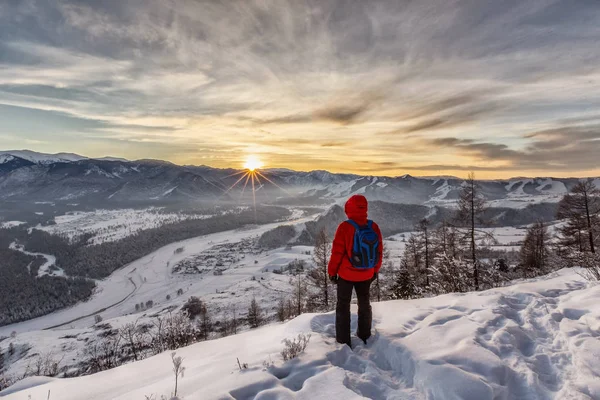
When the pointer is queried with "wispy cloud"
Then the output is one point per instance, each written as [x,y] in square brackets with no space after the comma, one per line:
[427,85]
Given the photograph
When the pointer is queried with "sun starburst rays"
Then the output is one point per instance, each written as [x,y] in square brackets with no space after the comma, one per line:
[251,174]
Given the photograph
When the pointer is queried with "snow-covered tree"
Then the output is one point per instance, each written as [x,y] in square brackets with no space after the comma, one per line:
[581,211]
[255,317]
[401,285]
[471,206]
[450,274]
[534,253]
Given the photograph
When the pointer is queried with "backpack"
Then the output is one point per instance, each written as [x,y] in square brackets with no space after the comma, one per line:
[365,254]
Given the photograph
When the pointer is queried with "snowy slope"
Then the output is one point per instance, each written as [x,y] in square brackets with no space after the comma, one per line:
[4,158]
[112,225]
[151,278]
[534,340]
[42,158]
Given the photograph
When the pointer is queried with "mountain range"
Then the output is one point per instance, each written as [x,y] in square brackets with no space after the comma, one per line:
[30,176]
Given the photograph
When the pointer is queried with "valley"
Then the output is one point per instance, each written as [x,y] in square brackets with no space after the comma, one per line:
[138,262]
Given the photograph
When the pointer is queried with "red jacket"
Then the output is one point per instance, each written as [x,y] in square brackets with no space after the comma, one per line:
[356,209]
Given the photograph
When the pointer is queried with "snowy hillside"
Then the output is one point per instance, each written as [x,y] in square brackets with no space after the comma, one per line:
[42,158]
[152,278]
[534,340]
[29,176]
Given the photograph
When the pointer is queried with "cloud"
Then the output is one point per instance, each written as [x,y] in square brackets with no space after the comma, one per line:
[323,77]
[341,114]
[568,148]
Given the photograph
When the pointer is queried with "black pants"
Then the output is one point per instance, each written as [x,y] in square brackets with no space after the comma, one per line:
[342,312]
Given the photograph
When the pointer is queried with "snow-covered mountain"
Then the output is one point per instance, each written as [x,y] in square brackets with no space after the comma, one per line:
[42,158]
[30,176]
[534,340]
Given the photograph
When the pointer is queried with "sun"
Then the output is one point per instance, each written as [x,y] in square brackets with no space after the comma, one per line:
[253,163]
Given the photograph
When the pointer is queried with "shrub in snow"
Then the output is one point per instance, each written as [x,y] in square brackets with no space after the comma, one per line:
[6,381]
[46,365]
[178,370]
[589,263]
[97,319]
[134,338]
[294,347]
[450,275]
[179,250]
[193,307]
[103,354]
[179,331]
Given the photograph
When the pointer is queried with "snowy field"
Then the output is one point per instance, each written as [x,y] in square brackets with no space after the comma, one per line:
[112,225]
[537,339]
[11,224]
[151,278]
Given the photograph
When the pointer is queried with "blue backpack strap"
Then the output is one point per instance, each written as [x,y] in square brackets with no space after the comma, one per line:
[355,244]
[370,224]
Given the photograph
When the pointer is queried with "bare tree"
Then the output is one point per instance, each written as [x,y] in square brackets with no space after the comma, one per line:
[234,320]
[471,206]
[299,293]
[581,209]
[46,365]
[205,323]
[135,338]
[445,240]
[158,341]
[319,276]
[423,235]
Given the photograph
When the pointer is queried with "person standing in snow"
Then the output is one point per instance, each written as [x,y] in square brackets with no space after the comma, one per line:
[356,258]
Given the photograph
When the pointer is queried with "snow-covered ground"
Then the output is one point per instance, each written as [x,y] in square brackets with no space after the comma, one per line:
[112,225]
[537,339]
[151,278]
[11,224]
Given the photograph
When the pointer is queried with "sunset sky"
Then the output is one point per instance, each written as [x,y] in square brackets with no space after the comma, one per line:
[426,87]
